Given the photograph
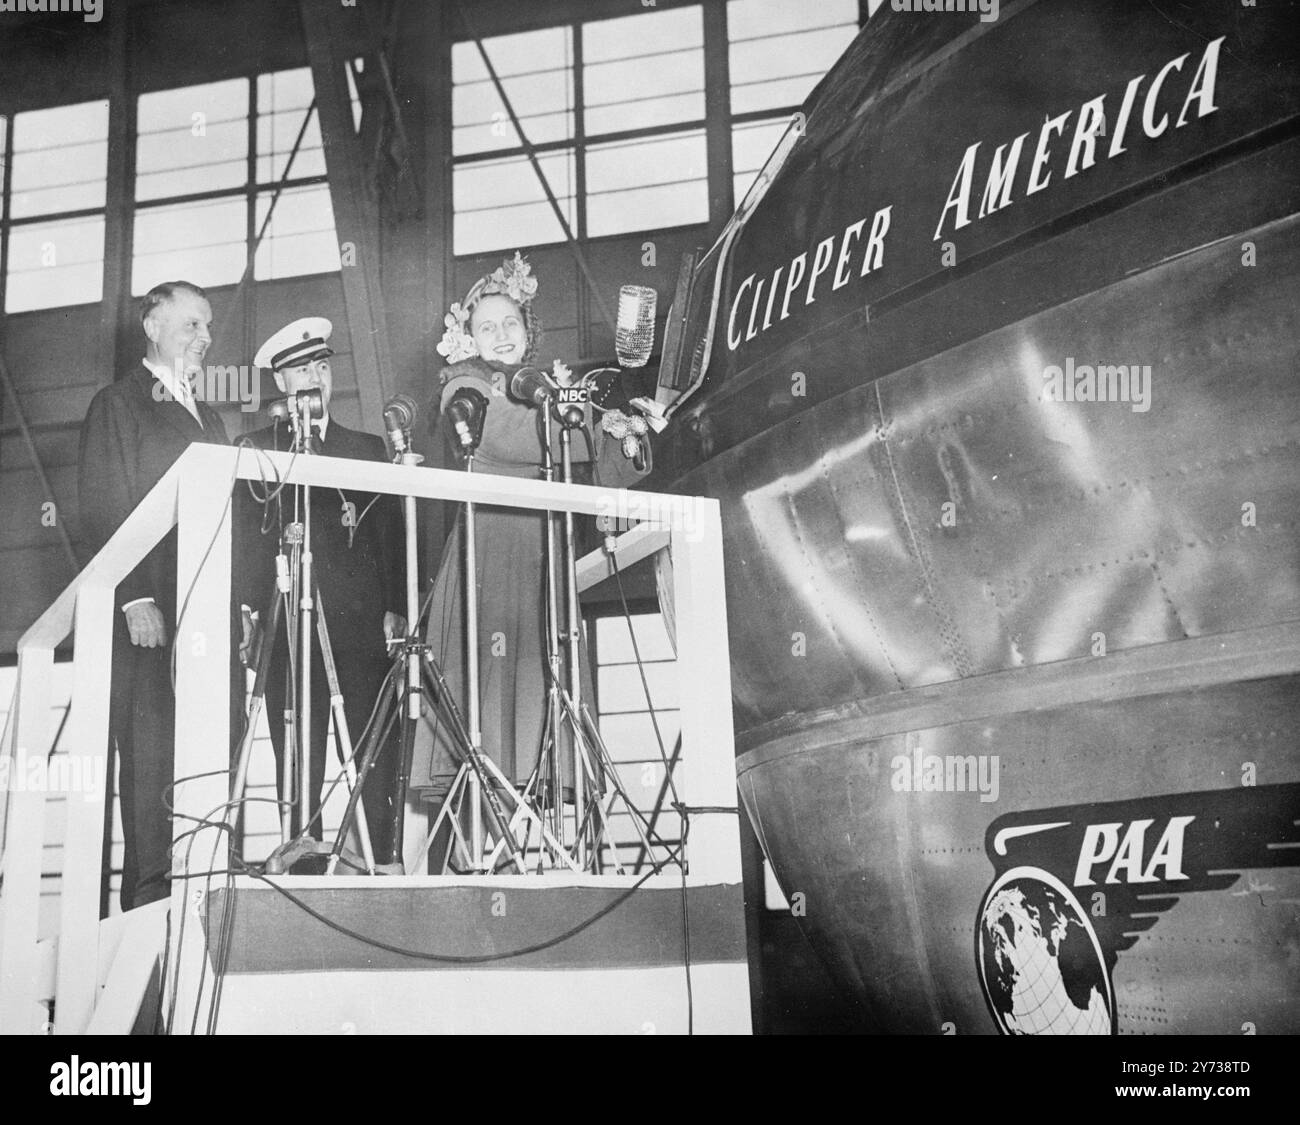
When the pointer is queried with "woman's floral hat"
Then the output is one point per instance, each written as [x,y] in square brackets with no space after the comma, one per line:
[513,279]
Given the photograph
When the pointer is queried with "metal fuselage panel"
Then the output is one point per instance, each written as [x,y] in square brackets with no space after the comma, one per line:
[911,497]
[945,521]
[893,880]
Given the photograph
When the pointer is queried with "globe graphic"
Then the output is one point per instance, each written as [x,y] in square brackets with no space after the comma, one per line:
[1040,962]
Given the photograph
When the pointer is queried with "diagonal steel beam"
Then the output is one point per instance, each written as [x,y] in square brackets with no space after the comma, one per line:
[531,153]
[356,215]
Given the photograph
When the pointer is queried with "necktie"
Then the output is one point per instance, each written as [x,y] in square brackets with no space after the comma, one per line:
[186,388]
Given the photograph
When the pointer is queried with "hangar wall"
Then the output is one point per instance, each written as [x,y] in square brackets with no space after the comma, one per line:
[59,357]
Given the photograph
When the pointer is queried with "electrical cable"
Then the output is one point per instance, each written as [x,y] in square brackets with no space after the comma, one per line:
[479,959]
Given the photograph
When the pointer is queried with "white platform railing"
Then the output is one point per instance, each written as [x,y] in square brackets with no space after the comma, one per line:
[195,496]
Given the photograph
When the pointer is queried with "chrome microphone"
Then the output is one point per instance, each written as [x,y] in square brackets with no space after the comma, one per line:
[466,409]
[399,415]
[531,385]
[634,334]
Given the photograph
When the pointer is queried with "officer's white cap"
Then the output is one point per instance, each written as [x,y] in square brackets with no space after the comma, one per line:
[296,343]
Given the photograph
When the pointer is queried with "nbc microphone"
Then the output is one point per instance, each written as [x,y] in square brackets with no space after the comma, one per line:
[634,335]
[531,385]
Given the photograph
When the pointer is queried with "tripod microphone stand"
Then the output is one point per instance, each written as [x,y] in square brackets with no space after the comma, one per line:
[295,583]
[565,704]
[475,805]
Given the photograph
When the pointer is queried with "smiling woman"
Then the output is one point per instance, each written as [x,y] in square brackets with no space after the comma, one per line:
[489,336]
[497,329]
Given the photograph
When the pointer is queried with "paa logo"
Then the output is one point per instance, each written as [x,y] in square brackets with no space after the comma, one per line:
[1045,961]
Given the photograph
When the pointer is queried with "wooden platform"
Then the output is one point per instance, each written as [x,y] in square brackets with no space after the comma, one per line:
[499,954]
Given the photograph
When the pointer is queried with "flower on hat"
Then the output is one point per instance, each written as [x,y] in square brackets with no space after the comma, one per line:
[513,277]
[456,344]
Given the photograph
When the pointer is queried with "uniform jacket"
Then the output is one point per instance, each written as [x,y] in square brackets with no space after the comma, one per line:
[358,584]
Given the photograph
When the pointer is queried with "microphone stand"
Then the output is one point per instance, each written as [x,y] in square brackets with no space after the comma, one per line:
[569,420]
[473,704]
[306,607]
[293,538]
[564,698]
[411,655]
[296,580]
[552,795]
[564,692]
[416,677]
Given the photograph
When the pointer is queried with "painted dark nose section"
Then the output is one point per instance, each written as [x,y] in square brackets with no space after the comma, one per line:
[960,543]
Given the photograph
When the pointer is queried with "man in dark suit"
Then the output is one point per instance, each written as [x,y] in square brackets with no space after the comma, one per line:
[133,433]
[358,568]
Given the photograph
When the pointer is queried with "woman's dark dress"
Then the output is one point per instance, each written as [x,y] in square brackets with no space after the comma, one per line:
[512,591]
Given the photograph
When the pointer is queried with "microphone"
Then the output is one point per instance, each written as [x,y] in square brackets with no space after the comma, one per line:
[634,334]
[531,385]
[399,415]
[466,410]
[279,410]
[309,403]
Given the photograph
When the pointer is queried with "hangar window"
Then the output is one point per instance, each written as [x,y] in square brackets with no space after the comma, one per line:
[778,53]
[536,71]
[497,197]
[55,171]
[615,112]
[643,100]
[209,160]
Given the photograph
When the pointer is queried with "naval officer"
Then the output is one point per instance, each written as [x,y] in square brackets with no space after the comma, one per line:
[357,564]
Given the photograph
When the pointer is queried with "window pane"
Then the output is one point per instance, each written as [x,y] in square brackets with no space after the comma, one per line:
[301,238]
[621,689]
[536,69]
[205,243]
[55,264]
[282,100]
[631,737]
[4,132]
[643,70]
[756,19]
[499,203]
[780,51]
[192,139]
[60,159]
[644,184]
[614,642]
[751,145]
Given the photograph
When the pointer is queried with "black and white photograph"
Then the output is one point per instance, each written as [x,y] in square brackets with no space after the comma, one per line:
[741,518]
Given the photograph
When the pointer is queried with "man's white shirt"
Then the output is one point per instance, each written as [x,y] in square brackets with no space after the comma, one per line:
[178,389]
